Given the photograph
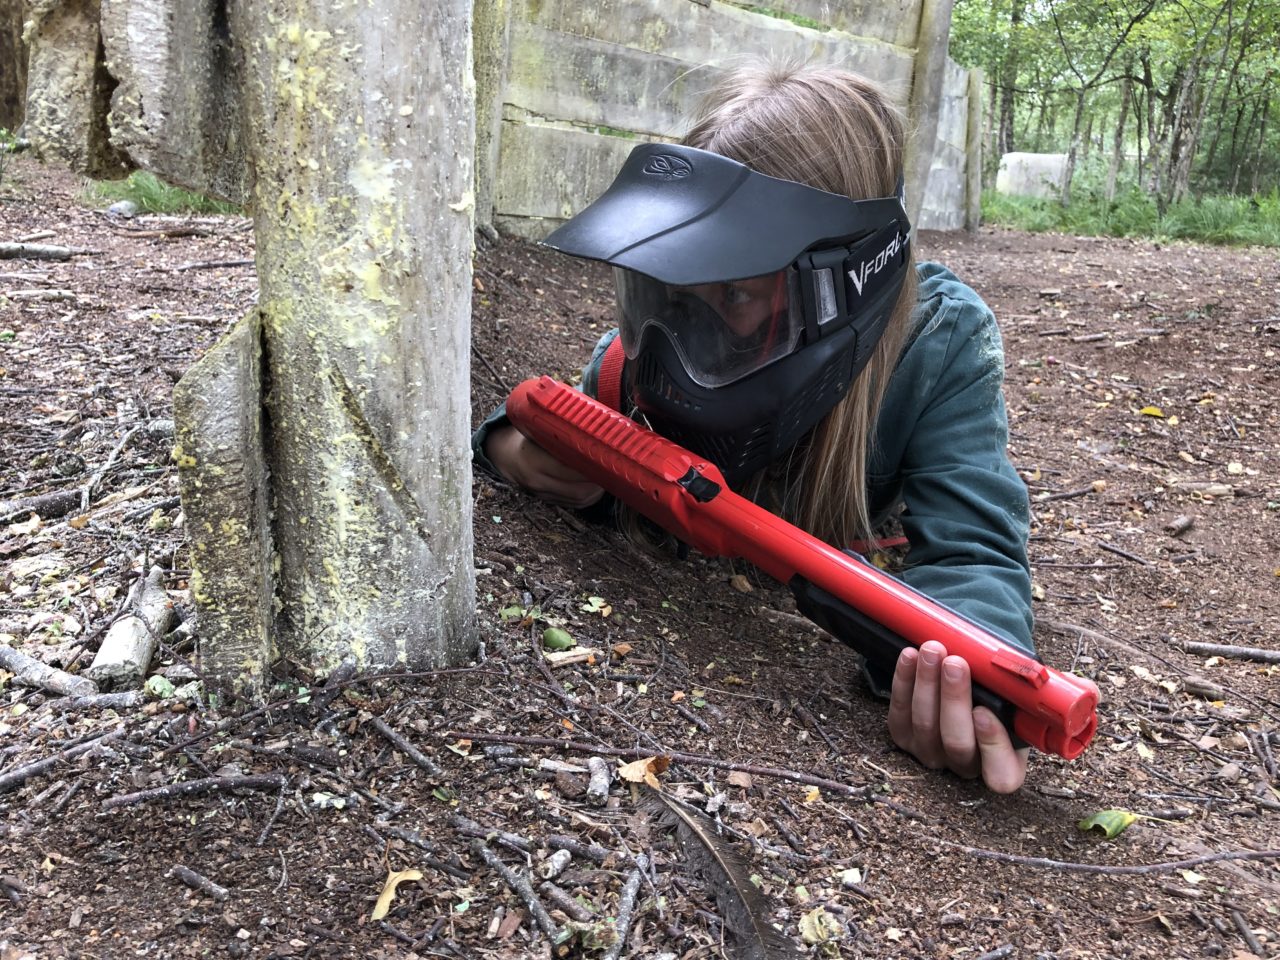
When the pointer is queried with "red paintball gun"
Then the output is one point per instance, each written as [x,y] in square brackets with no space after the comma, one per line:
[840,591]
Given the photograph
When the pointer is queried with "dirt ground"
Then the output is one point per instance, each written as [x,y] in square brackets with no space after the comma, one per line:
[1142,386]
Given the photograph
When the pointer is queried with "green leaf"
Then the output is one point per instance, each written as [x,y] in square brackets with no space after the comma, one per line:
[511,613]
[159,687]
[553,638]
[1112,823]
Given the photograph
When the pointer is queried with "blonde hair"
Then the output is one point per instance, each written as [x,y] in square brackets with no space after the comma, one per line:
[835,130]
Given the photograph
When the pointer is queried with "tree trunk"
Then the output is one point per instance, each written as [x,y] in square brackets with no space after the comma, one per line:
[176,104]
[1259,156]
[68,87]
[1241,49]
[1009,78]
[1069,168]
[1117,144]
[361,137]
[13,80]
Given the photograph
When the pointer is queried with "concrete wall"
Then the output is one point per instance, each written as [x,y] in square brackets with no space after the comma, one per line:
[583,83]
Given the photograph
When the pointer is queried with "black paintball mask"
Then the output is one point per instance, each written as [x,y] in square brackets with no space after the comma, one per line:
[747,305]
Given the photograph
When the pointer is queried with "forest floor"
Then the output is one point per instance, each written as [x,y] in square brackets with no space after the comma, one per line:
[1142,388]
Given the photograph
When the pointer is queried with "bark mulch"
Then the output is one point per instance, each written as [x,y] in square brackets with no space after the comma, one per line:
[1142,388]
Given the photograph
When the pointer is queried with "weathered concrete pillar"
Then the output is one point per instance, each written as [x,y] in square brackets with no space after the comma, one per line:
[492,26]
[926,98]
[973,154]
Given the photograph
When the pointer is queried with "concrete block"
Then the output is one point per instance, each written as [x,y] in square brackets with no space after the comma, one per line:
[1031,174]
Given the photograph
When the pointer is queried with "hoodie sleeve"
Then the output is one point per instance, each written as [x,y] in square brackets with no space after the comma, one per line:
[966,512]
[498,418]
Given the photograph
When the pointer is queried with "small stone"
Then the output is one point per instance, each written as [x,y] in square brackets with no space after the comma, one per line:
[123,208]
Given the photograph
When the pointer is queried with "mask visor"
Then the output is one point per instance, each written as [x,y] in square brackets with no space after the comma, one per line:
[723,331]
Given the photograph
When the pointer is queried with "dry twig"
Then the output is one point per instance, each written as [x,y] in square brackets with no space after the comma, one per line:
[199,882]
[188,788]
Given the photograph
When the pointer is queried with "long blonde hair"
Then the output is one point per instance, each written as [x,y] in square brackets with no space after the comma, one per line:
[835,130]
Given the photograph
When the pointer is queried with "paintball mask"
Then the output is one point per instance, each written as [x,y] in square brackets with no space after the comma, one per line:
[747,305]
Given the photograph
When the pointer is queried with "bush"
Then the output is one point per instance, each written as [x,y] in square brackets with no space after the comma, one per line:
[1227,220]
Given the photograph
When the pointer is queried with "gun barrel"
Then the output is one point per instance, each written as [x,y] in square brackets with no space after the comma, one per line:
[687,496]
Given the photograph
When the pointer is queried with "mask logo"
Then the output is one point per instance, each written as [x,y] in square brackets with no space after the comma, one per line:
[667,167]
[869,268]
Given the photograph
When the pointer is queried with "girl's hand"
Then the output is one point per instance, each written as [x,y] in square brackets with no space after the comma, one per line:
[932,716]
[526,464]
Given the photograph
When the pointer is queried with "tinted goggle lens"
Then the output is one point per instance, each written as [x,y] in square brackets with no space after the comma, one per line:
[722,331]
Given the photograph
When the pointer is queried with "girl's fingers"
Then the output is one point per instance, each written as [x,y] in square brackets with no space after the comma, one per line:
[900,695]
[925,704]
[955,718]
[1003,768]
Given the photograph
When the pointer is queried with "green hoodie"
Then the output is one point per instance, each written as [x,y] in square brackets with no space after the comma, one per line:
[940,458]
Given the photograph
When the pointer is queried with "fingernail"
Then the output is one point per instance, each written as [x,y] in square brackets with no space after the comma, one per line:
[930,657]
[983,722]
[952,671]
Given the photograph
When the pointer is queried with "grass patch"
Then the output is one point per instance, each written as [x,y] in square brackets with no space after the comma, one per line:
[153,195]
[1223,220]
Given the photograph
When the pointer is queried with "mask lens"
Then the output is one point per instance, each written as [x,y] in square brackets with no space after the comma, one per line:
[722,331]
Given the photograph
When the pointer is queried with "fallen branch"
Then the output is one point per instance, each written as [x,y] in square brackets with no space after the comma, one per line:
[1254,944]
[627,907]
[39,251]
[1232,652]
[519,886]
[598,788]
[165,233]
[11,779]
[190,788]
[1065,494]
[212,265]
[636,753]
[1122,553]
[1066,866]
[198,882]
[47,506]
[129,645]
[87,494]
[31,672]
[573,909]
[54,295]
[405,747]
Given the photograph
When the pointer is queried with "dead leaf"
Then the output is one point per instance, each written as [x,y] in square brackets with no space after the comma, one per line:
[645,770]
[817,926]
[394,879]
[740,583]
[1152,412]
[739,778]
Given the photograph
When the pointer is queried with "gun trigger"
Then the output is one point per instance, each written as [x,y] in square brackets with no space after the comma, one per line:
[1022,667]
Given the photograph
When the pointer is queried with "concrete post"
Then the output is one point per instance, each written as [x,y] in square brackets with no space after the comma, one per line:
[926,98]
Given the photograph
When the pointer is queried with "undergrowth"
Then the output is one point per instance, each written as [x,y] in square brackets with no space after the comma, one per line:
[1222,219]
[153,195]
